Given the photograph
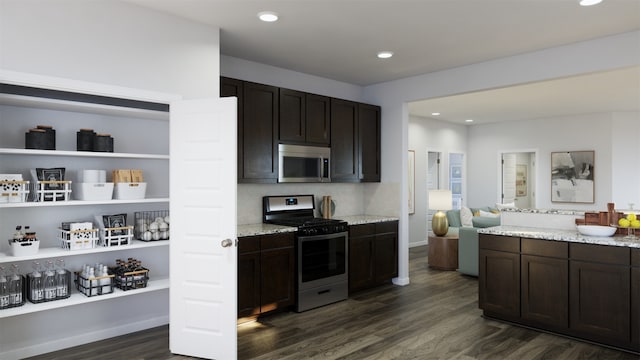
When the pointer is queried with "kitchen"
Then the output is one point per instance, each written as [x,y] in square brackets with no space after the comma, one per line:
[376,198]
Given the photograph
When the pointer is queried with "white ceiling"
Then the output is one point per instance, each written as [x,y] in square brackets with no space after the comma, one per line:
[338,39]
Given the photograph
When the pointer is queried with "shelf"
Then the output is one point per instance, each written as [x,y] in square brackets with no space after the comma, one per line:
[82,203]
[51,252]
[78,299]
[79,106]
[90,154]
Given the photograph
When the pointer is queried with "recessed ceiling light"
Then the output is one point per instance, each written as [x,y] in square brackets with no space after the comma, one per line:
[385,54]
[435,113]
[589,2]
[268,16]
[469,120]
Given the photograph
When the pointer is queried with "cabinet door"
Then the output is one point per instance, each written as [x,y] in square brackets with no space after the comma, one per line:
[635,306]
[361,254]
[545,291]
[292,116]
[369,142]
[386,257]
[344,141]
[499,283]
[600,301]
[318,119]
[233,87]
[249,284]
[260,134]
[276,288]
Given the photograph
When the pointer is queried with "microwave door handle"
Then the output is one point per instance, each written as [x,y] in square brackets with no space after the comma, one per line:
[320,169]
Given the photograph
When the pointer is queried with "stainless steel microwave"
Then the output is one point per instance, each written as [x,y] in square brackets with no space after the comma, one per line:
[304,163]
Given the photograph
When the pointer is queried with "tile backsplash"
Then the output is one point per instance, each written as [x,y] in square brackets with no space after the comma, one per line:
[350,199]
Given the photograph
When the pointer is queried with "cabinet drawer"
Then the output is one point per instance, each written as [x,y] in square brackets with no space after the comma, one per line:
[616,255]
[635,257]
[276,241]
[386,227]
[500,243]
[362,230]
[248,244]
[559,249]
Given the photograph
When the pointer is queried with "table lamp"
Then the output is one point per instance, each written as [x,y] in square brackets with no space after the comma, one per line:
[440,200]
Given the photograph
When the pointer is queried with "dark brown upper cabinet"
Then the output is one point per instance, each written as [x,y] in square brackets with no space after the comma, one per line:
[369,142]
[257,129]
[355,141]
[304,118]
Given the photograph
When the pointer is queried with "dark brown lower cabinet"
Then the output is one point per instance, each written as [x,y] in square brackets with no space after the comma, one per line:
[600,281]
[587,291]
[265,273]
[499,280]
[373,254]
[635,297]
[545,283]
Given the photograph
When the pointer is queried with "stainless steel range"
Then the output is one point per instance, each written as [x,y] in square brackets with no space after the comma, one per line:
[321,246]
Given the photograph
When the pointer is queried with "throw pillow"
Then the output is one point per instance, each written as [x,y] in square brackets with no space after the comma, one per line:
[488,214]
[466,217]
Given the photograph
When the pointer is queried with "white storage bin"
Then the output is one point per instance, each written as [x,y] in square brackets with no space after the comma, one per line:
[129,191]
[62,193]
[13,191]
[25,248]
[78,239]
[116,236]
[92,191]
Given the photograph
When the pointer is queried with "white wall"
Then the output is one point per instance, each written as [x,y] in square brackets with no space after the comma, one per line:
[265,74]
[625,143]
[112,43]
[431,135]
[575,133]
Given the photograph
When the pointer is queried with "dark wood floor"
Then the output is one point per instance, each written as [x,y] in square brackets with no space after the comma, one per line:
[435,317]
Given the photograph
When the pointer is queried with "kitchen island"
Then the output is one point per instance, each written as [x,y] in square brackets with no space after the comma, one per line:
[563,282]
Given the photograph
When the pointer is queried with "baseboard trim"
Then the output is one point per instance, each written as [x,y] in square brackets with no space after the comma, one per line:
[419,243]
[400,281]
[67,342]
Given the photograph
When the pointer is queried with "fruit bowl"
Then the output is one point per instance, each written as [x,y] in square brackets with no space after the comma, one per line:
[596,230]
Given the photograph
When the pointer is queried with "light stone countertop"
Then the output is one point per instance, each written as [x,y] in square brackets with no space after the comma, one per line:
[559,235]
[267,229]
[262,229]
[545,211]
[365,219]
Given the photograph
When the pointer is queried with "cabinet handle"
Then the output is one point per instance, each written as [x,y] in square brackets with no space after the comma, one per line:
[226,243]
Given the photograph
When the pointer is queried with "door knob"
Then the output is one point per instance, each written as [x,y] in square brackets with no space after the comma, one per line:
[226,243]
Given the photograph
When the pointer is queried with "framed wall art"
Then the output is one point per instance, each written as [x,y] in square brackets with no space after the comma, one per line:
[572,177]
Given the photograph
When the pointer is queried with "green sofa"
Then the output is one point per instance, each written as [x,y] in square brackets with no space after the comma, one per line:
[468,238]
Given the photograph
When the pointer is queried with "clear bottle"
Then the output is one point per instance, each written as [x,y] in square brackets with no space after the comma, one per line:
[15,286]
[105,281]
[4,289]
[50,282]
[36,283]
[93,284]
[62,281]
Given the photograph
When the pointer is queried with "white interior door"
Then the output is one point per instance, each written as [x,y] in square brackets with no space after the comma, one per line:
[203,216]
[508,178]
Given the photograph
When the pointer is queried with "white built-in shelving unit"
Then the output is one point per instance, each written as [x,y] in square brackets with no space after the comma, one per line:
[141,142]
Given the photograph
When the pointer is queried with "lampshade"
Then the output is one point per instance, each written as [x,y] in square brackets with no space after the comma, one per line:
[440,200]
